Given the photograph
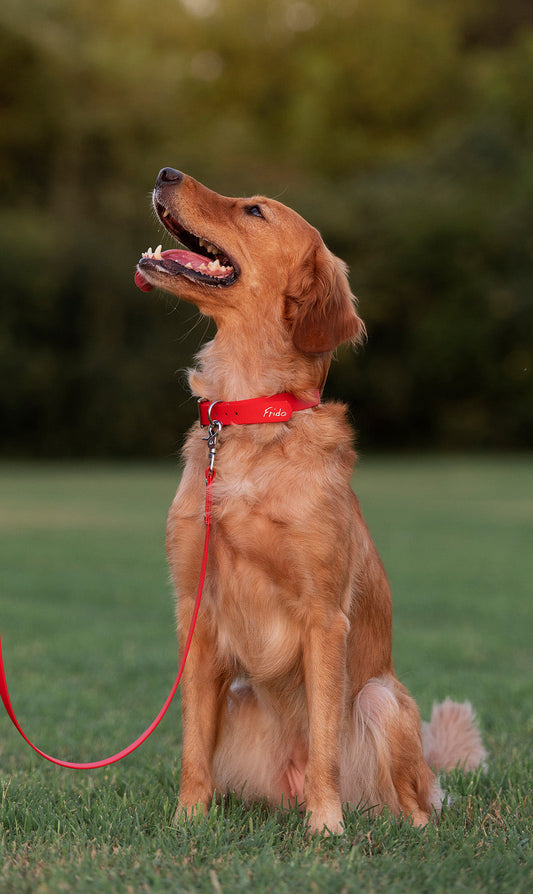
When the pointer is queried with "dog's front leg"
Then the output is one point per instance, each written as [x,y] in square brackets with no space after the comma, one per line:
[325,669]
[202,692]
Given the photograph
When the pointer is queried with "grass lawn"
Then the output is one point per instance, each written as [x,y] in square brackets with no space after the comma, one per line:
[86,619]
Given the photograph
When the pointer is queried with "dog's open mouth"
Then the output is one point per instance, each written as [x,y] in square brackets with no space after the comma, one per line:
[199,261]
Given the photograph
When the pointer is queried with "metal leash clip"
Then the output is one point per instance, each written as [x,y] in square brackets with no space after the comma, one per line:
[213,431]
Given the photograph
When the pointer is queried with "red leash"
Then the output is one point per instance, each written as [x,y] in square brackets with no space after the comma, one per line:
[215,414]
[210,476]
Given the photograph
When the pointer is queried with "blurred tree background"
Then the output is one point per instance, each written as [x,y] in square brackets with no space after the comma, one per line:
[403,129]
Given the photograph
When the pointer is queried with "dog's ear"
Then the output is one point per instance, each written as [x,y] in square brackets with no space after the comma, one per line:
[320,305]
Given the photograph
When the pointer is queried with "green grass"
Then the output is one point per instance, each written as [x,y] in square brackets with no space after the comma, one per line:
[86,619]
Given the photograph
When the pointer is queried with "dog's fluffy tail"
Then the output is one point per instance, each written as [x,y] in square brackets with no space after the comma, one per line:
[452,739]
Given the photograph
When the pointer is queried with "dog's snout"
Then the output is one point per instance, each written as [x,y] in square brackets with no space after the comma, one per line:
[168,175]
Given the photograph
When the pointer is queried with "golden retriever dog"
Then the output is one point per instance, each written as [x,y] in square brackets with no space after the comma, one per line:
[289,695]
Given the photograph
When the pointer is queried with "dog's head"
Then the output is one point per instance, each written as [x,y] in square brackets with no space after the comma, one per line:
[253,257]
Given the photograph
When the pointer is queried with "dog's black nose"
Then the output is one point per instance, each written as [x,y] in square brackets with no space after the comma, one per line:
[168,175]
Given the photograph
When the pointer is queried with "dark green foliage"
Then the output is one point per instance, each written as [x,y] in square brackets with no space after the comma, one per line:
[403,131]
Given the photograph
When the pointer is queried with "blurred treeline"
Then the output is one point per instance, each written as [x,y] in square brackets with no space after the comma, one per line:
[403,129]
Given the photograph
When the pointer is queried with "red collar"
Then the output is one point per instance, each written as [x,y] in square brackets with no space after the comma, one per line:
[278,408]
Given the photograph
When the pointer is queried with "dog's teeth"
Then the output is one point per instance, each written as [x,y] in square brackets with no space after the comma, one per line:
[189,265]
[157,252]
[166,212]
[212,249]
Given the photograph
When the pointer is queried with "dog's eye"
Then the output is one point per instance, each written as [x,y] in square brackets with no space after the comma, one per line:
[254,211]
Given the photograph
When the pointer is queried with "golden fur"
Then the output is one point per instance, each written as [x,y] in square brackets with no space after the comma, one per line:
[289,693]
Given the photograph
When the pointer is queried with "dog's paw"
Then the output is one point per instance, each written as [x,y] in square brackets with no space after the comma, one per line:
[185,812]
[325,822]
[191,807]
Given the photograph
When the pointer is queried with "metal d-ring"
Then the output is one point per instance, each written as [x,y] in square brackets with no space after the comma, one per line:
[215,402]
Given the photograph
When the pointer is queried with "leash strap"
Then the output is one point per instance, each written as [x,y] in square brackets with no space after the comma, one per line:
[215,414]
[210,477]
[278,408]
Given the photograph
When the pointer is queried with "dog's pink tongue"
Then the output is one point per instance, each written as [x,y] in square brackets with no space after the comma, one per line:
[141,282]
[175,254]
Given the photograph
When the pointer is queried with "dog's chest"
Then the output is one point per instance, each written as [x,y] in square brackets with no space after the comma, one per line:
[254,599]
[276,534]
